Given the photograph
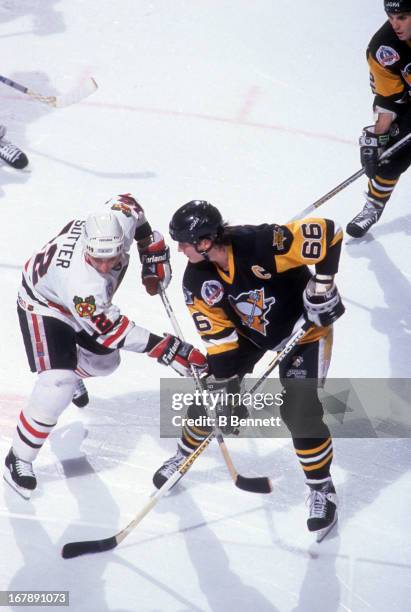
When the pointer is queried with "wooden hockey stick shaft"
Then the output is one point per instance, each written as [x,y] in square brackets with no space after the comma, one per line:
[288,348]
[75,549]
[385,156]
[72,97]
[253,485]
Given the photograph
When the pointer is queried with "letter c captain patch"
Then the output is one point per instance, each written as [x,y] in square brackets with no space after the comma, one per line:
[260,272]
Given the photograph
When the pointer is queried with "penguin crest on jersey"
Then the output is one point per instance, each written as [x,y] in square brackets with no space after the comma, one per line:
[252,308]
[279,238]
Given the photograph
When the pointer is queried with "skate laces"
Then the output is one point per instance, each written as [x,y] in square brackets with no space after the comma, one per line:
[23,468]
[318,503]
[171,465]
[369,214]
[9,151]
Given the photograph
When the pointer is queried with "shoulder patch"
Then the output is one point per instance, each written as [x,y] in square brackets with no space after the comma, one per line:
[406,74]
[126,204]
[280,238]
[126,210]
[85,307]
[212,292]
[188,296]
[387,56]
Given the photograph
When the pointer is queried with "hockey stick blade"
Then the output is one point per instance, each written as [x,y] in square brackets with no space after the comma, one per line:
[77,94]
[86,88]
[261,484]
[75,549]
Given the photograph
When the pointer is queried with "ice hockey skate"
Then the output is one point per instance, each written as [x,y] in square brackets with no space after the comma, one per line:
[80,396]
[169,467]
[322,509]
[365,219]
[19,475]
[9,153]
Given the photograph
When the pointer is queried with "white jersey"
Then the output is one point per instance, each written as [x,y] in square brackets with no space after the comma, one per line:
[58,282]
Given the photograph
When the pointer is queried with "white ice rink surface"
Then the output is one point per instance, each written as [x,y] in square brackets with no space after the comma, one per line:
[257,107]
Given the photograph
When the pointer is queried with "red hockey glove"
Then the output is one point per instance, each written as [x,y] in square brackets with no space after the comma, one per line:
[156,269]
[171,351]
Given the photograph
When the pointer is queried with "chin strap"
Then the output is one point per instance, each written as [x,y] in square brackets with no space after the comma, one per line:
[204,254]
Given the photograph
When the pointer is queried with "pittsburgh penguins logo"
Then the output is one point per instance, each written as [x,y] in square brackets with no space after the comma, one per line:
[279,238]
[252,308]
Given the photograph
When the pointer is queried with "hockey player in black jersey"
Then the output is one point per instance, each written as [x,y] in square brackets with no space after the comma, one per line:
[389,59]
[247,288]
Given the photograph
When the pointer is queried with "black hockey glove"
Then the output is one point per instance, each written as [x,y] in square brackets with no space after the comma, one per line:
[371,147]
[229,409]
[322,302]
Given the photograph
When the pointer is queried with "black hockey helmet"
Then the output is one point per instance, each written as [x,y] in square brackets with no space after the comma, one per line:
[397,6]
[194,221]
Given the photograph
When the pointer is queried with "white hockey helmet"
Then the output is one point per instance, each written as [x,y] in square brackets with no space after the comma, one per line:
[103,236]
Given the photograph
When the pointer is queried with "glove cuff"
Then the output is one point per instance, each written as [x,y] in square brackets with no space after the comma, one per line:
[370,138]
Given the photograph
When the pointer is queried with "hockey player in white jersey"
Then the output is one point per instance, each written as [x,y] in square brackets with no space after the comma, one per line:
[70,326]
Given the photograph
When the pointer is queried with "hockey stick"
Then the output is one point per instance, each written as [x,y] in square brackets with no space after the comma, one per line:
[253,485]
[83,90]
[385,156]
[75,549]
[290,346]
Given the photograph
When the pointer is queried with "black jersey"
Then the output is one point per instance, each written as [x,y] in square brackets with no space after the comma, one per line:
[260,295]
[389,59]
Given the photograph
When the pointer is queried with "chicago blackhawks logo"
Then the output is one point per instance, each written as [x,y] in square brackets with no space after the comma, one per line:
[126,210]
[85,307]
[252,308]
[126,204]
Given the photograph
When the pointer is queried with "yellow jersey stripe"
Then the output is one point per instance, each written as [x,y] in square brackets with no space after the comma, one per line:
[317,466]
[312,451]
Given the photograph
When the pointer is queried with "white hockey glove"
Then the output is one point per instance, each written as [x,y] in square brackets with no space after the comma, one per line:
[322,302]
[230,407]
[156,268]
[171,351]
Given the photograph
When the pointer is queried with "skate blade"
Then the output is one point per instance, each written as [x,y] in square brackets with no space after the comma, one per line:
[322,533]
[24,493]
